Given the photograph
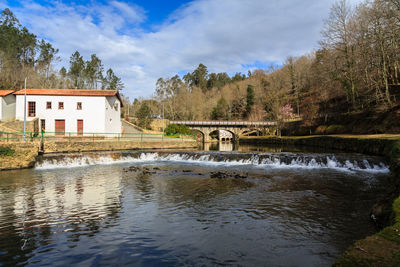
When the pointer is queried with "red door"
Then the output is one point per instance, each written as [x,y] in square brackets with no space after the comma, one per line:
[80,127]
[60,127]
[42,125]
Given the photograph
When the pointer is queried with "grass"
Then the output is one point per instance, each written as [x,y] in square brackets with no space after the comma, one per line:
[6,151]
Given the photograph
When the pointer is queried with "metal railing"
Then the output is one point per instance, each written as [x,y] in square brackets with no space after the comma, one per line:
[226,123]
[75,136]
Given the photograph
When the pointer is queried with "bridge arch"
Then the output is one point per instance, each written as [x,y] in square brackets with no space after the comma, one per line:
[198,132]
[224,134]
[235,127]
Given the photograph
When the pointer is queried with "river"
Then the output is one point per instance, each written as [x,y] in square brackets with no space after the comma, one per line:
[272,207]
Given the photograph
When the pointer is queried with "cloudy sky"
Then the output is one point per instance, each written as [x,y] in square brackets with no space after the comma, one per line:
[142,40]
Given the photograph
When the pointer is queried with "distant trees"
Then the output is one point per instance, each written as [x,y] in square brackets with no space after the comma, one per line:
[22,55]
[202,79]
[89,74]
[356,69]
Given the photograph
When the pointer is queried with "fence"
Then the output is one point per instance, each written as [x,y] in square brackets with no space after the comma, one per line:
[75,136]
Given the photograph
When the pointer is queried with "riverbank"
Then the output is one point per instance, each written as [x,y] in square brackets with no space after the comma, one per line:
[25,154]
[383,248]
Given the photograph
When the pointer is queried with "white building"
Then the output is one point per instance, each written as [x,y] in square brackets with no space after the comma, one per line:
[72,111]
[7,105]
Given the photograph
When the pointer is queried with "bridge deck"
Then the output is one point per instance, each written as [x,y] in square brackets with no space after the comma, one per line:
[225,123]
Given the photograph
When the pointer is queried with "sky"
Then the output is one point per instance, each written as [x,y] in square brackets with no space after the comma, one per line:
[143,40]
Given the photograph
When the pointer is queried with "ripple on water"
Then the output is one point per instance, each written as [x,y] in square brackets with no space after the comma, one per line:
[108,215]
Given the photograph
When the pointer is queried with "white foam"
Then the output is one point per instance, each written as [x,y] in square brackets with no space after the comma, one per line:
[298,162]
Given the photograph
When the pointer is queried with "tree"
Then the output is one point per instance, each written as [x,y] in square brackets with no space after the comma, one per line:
[337,35]
[198,77]
[47,56]
[23,55]
[167,92]
[221,111]
[8,19]
[76,70]
[144,116]
[112,82]
[94,72]
[238,77]
[17,51]
[249,98]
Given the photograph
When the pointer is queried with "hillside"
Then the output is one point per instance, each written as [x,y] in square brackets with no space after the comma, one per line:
[352,81]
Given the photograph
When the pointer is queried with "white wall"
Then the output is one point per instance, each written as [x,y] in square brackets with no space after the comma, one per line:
[7,108]
[93,112]
[113,115]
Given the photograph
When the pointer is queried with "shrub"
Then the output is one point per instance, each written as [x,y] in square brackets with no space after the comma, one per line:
[321,129]
[335,129]
[6,151]
[174,129]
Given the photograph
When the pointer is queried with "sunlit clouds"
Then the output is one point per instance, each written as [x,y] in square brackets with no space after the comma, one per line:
[225,35]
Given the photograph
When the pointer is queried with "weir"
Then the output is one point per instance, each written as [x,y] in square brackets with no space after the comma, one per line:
[258,160]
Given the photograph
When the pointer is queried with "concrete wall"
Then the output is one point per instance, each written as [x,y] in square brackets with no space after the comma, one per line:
[95,111]
[79,146]
[7,108]
[157,124]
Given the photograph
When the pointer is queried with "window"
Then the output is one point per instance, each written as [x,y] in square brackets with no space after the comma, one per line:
[31,109]
[79,105]
[60,105]
[116,106]
[48,105]
[43,125]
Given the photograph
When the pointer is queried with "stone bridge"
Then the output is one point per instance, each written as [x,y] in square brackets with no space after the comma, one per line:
[236,128]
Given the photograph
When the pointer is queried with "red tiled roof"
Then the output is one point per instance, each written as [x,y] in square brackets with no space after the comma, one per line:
[6,92]
[70,92]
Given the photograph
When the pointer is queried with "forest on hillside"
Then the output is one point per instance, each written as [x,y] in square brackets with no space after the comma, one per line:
[23,55]
[354,71]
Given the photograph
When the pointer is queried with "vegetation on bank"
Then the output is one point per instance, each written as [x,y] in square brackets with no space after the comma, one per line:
[6,151]
[381,249]
[18,156]
[175,129]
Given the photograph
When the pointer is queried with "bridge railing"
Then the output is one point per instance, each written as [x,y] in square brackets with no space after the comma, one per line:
[226,123]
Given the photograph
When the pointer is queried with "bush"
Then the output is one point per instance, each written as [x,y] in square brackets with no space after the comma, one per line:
[321,129]
[335,129]
[174,129]
[6,151]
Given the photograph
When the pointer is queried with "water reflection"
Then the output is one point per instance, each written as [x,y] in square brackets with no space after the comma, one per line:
[38,206]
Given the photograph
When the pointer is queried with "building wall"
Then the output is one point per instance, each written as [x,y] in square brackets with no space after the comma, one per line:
[112,115]
[92,113]
[7,108]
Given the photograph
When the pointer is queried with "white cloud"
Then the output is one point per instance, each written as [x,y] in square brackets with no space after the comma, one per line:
[222,34]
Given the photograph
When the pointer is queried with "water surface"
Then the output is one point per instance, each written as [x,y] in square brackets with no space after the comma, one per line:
[188,208]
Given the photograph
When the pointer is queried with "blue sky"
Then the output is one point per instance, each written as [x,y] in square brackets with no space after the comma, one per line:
[142,40]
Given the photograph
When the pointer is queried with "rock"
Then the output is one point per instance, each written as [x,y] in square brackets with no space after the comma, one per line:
[223,175]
